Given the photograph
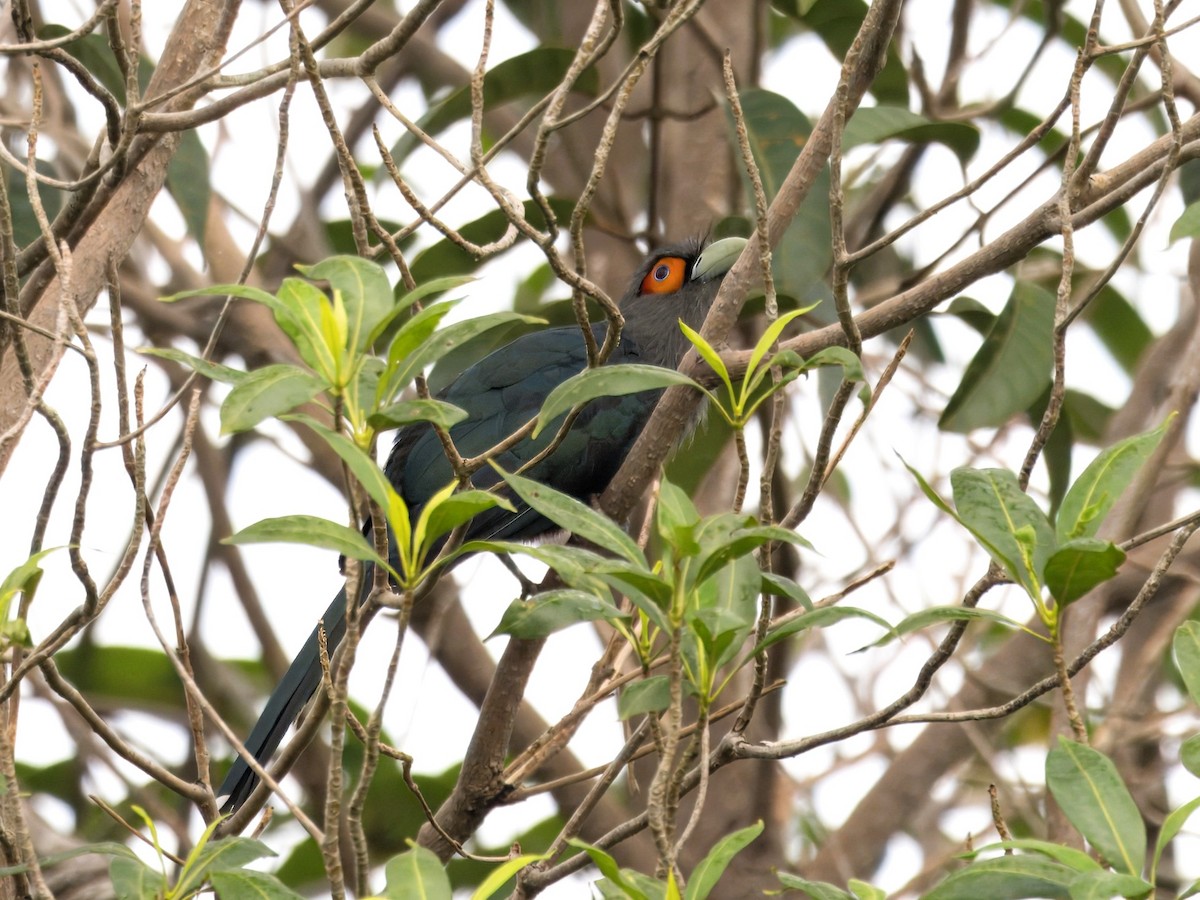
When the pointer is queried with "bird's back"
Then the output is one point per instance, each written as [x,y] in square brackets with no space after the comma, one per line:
[502,392]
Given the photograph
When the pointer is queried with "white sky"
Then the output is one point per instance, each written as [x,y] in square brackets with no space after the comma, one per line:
[297,583]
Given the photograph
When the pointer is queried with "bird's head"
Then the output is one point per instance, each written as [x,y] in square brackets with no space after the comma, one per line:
[673,283]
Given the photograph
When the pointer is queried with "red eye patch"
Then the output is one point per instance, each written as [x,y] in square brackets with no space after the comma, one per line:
[665,276]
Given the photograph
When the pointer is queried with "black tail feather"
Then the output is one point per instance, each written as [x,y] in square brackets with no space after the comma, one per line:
[299,683]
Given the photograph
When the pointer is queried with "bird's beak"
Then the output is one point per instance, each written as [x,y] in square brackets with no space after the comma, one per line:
[718,258]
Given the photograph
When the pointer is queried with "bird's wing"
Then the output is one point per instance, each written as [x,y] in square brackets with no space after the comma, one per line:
[501,393]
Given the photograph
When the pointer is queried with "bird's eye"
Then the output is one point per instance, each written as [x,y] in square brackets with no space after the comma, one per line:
[665,276]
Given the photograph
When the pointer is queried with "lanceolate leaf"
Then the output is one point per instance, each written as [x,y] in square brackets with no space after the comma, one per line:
[649,695]
[1186,645]
[1091,793]
[710,869]
[269,391]
[1079,565]
[405,412]
[939,615]
[188,182]
[577,518]
[818,618]
[1007,876]
[211,370]
[1006,522]
[605,381]
[365,291]
[416,873]
[553,611]
[776,129]
[1012,367]
[1100,486]
[310,530]
[443,342]
[875,124]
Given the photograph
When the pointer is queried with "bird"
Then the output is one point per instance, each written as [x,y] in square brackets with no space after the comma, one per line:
[499,394]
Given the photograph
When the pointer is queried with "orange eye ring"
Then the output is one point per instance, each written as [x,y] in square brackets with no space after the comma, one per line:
[665,276]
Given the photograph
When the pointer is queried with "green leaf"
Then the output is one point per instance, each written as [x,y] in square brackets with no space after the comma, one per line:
[723,621]
[770,335]
[709,354]
[503,873]
[719,546]
[311,530]
[605,381]
[1104,885]
[1186,645]
[927,489]
[1078,566]
[269,391]
[577,518]
[360,463]
[210,370]
[1171,826]
[650,695]
[1069,856]
[458,508]
[1012,367]
[1093,494]
[304,314]
[420,292]
[938,615]
[401,371]
[1006,521]
[1188,223]
[406,412]
[226,854]
[25,225]
[1006,878]
[817,890]
[241,291]
[864,891]
[852,369]
[876,124]
[782,586]
[677,519]
[1120,327]
[1189,754]
[94,52]
[365,291]
[416,873]
[544,614]
[132,879]
[1085,783]
[609,869]
[416,331]
[776,129]
[188,182]
[649,592]
[818,618]
[23,579]
[575,565]
[125,677]
[710,869]
[247,884]
[101,848]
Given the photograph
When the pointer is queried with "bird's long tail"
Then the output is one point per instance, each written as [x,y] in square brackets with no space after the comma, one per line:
[294,690]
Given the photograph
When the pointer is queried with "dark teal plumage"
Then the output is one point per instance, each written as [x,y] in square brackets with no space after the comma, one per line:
[500,393]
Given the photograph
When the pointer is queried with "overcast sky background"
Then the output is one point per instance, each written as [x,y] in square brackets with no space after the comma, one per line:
[426,716]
